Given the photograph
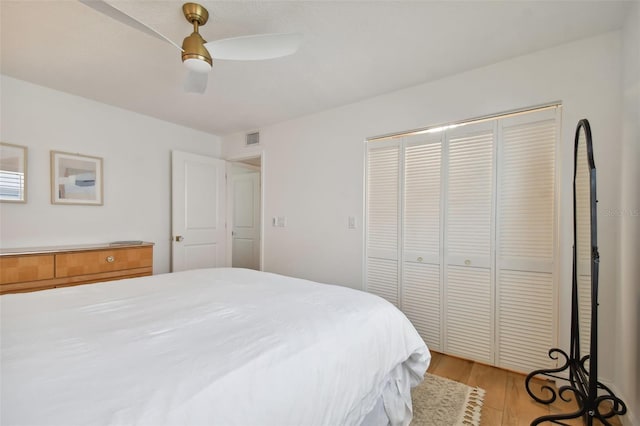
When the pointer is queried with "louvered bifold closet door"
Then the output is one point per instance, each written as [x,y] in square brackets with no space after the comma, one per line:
[525,290]
[468,290]
[383,218]
[421,295]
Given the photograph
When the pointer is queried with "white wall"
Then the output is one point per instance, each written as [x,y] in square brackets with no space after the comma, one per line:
[628,216]
[314,165]
[136,158]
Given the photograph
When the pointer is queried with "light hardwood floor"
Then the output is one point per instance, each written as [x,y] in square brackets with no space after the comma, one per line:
[506,401]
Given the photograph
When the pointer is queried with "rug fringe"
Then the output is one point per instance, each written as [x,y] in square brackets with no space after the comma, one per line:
[473,407]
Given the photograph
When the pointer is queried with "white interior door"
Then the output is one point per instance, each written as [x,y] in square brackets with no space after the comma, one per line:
[421,295]
[383,219]
[198,211]
[246,220]
[468,294]
[525,240]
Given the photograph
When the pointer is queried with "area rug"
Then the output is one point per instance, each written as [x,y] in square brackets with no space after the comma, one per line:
[442,402]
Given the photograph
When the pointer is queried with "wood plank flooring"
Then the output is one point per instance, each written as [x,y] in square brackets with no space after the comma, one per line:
[506,402]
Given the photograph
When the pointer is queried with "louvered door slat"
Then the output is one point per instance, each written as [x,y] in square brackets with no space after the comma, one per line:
[527,190]
[468,313]
[422,198]
[382,278]
[469,193]
[468,296]
[525,242]
[421,300]
[525,320]
[382,220]
[421,236]
[383,191]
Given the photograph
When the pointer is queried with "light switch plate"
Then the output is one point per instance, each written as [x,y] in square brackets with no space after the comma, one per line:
[352,222]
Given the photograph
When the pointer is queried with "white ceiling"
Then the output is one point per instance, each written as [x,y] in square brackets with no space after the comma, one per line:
[352,50]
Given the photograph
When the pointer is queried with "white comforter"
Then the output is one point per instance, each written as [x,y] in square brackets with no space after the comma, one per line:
[210,346]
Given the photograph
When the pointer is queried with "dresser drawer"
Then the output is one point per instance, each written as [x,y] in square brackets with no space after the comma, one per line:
[21,269]
[97,261]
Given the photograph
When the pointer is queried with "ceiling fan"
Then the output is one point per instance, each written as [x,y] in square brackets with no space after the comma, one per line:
[198,54]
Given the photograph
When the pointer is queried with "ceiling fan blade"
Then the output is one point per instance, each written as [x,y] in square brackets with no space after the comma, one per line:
[255,47]
[110,11]
[196,82]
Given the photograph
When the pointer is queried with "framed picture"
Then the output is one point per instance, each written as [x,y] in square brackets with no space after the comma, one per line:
[13,173]
[76,179]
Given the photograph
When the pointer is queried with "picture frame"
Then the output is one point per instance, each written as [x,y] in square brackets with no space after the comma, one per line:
[13,173]
[76,179]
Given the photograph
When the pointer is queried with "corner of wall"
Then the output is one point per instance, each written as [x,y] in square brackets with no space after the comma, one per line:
[627,340]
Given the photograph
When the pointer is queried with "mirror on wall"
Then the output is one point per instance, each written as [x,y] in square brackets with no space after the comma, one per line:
[13,173]
[593,399]
[583,243]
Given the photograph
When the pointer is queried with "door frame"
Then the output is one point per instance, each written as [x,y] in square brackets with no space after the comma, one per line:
[230,161]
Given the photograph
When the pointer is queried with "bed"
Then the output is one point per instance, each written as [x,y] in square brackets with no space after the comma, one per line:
[220,346]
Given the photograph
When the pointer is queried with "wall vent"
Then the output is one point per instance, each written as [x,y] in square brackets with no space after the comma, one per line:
[253,138]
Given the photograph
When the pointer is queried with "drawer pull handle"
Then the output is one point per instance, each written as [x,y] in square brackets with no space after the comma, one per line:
[420,259]
[111,259]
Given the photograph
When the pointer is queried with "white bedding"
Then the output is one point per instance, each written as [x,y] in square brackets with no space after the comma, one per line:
[211,346]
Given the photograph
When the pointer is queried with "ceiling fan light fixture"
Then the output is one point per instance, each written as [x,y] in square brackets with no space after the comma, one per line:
[195,56]
[197,65]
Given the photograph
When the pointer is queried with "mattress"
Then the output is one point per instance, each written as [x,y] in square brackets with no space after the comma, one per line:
[220,346]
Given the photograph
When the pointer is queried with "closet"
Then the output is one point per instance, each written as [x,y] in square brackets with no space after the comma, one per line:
[461,234]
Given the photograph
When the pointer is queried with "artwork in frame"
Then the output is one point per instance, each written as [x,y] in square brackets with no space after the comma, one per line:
[76,179]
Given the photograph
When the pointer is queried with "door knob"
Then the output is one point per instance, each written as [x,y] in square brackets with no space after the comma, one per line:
[179,238]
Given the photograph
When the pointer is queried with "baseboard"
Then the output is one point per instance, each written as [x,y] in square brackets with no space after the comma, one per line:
[630,418]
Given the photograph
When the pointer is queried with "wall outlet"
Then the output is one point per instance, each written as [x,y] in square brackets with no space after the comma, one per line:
[282,221]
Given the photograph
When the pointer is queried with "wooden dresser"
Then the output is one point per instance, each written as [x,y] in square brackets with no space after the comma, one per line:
[49,267]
